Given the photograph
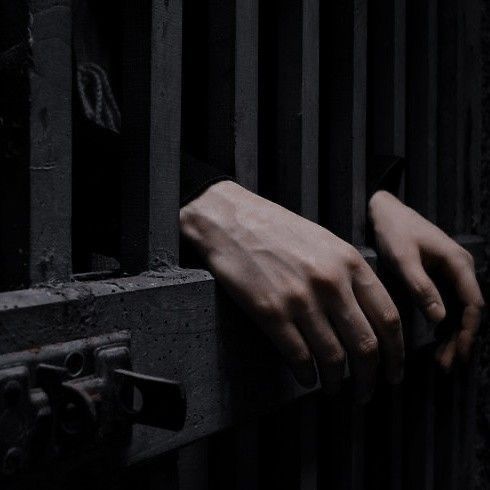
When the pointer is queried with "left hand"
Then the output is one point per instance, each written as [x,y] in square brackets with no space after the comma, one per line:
[412,246]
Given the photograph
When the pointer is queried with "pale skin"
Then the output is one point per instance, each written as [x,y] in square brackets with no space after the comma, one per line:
[315,296]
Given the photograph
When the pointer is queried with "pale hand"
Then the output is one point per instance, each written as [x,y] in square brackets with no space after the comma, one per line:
[413,247]
[312,293]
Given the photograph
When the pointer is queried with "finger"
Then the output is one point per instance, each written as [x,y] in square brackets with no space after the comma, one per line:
[383,315]
[329,353]
[462,274]
[422,288]
[446,353]
[358,339]
[294,349]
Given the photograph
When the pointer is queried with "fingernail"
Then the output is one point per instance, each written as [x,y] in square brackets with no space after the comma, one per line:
[436,312]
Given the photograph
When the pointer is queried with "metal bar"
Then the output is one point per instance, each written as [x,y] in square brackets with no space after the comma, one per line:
[341,443]
[36,131]
[459,114]
[151,134]
[233,88]
[288,447]
[194,466]
[290,104]
[418,409]
[50,163]
[421,174]
[234,458]
[387,59]
[246,93]
[468,423]
[343,124]
[447,430]
[383,446]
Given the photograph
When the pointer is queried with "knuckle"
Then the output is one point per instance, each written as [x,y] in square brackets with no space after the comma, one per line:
[423,288]
[368,349]
[402,256]
[336,357]
[300,357]
[332,280]
[390,320]
[462,257]
[353,258]
[269,308]
[298,298]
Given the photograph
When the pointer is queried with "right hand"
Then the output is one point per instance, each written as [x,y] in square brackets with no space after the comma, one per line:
[312,293]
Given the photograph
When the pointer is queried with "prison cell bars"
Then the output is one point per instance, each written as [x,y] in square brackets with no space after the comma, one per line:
[36,191]
[152,87]
[152,53]
[387,32]
[458,191]
[421,178]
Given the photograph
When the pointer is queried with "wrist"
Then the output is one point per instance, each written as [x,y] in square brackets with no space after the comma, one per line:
[203,219]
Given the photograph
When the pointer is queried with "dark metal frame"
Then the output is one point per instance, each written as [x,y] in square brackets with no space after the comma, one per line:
[181,326]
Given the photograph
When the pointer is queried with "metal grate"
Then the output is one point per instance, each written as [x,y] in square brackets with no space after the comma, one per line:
[297,95]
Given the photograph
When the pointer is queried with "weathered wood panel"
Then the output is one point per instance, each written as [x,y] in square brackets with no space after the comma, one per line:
[151,114]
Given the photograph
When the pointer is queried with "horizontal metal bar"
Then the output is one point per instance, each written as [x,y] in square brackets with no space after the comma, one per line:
[226,364]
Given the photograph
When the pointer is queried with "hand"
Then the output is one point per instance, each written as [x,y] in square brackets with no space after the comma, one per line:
[413,247]
[312,293]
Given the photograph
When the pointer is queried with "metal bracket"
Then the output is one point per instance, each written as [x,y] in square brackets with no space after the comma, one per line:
[77,395]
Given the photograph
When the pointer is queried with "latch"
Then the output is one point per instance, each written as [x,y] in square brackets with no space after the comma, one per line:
[78,395]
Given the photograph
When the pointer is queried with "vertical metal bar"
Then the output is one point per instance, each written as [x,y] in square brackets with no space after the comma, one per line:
[458,207]
[35,111]
[194,466]
[447,431]
[473,112]
[288,447]
[234,459]
[458,115]
[421,178]
[387,57]
[290,104]
[50,161]
[233,88]
[151,133]
[383,446]
[343,168]
[418,409]
[161,473]
[246,93]
[341,443]
[468,420]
